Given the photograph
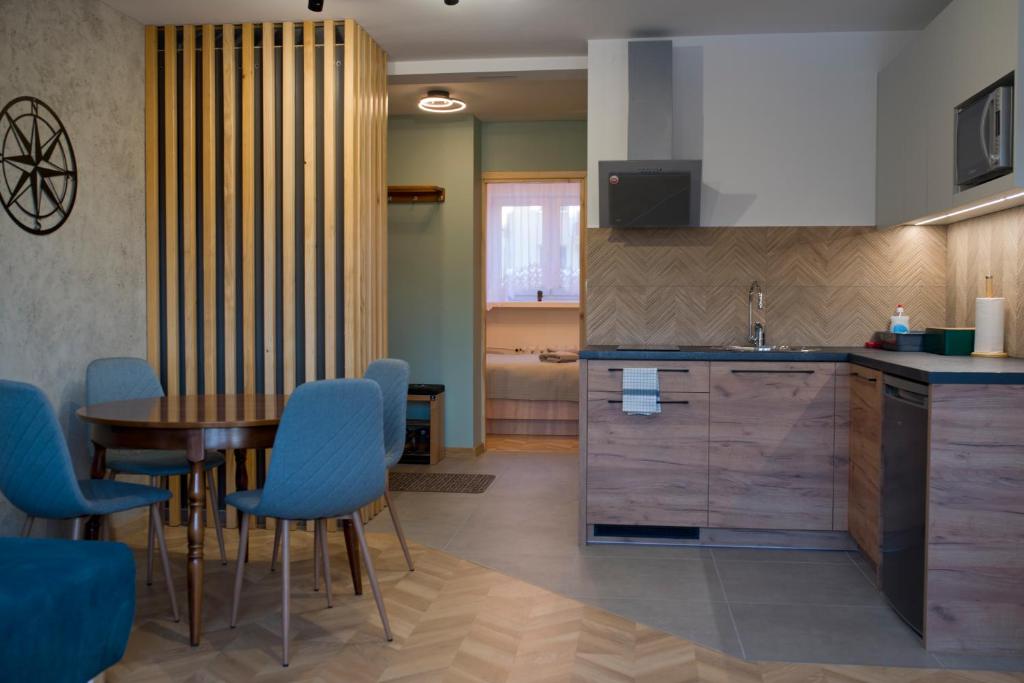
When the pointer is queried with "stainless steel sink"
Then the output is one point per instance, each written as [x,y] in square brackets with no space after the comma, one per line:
[764,349]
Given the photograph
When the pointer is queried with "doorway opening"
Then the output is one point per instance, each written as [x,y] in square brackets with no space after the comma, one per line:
[533,318]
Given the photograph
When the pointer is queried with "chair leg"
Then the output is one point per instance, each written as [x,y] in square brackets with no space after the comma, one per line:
[398,530]
[76,529]
[316,555]
[243,544]
[26,528]
[357,523]
[277,545]
[149,539]
[211,485]
[325,556]
[158,529]
[286,585]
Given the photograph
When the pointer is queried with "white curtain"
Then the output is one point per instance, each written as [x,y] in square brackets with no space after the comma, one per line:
[533,241]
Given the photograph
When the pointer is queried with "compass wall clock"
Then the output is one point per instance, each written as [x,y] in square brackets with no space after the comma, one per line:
[38,175]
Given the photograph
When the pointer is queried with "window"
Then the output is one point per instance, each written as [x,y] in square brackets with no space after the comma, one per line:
[533,241]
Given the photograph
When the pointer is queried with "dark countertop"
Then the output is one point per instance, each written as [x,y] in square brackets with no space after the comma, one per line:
[920,367]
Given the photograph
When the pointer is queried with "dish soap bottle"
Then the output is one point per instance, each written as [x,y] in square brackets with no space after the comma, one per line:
[899,323]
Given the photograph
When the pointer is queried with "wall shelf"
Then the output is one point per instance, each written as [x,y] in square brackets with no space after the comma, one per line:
[415,194]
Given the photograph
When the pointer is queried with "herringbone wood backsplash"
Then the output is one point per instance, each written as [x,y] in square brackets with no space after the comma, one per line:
[988,245]
[823,286]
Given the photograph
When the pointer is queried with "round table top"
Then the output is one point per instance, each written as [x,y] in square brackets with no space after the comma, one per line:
[189,412]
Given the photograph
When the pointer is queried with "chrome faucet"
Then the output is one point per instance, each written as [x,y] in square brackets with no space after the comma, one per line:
[755,331]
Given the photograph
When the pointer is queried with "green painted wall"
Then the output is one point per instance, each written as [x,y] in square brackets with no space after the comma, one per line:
[533,146]
[433,268]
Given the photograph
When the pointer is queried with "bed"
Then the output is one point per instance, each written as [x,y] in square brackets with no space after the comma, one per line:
[527,396]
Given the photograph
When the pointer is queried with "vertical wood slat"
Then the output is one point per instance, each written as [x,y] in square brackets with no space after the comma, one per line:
[330,207]
[171,236]
[209,118]
[248,210]
[228,245]
[309,194]
[249,226]
[269,212]
[188,205]
[288,203]
[171,204]
[152,202]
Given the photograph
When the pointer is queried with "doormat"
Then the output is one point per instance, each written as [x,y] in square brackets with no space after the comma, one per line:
[439,483]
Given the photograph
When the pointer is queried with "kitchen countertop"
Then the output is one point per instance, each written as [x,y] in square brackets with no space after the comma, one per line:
[920,367]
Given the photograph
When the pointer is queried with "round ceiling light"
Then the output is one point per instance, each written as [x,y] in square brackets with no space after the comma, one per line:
[441,102]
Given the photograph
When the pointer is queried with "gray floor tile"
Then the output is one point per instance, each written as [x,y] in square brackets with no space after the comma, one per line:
[706,623]
[982,662]
[828,634]
[795,583]
[554,573]
[626,577]
[773,555]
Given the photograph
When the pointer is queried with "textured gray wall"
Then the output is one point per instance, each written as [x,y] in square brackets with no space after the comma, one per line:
[78,293]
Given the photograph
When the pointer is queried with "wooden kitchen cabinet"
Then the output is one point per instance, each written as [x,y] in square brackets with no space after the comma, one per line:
[865,506]
[771,452]
[647,470]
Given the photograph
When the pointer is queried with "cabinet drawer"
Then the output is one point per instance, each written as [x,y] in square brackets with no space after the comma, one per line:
[673,376]
[648,469]
[772,445]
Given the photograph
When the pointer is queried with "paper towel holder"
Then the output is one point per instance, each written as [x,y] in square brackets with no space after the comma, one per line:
[989,294]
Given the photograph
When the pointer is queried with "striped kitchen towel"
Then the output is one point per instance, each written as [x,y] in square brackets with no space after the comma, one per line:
[640,392]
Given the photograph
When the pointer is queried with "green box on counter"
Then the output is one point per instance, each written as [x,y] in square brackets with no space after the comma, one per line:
[949,341]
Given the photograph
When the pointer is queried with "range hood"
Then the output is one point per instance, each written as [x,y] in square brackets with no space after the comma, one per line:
[650,189]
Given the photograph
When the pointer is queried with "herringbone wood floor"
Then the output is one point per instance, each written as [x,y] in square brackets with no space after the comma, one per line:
[453,621]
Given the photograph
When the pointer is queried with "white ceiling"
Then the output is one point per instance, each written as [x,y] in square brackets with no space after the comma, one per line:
[428,29]
[501,97]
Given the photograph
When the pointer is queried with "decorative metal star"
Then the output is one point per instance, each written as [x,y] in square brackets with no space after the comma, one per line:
[39,175]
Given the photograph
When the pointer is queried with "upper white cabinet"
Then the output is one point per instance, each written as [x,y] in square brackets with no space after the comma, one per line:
[970,45]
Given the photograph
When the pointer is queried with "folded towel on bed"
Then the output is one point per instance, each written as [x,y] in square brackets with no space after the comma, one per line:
[559,357]
[641,394]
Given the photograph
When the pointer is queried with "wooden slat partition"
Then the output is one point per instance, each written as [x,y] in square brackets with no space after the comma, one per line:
[255,280]
[365,223]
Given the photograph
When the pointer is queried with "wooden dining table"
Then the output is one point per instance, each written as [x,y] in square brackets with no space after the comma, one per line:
[193,424]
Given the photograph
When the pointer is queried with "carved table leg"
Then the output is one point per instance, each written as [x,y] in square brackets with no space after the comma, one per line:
[353,554]
[98,471]
[196,506]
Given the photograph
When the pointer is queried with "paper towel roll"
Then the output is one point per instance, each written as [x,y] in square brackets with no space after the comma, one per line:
[988,323]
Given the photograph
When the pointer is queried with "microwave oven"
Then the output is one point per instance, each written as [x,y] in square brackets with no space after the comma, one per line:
[984,136]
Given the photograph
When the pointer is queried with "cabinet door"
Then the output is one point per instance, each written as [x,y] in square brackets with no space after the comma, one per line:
[866,460]
[772,445]
[647,469]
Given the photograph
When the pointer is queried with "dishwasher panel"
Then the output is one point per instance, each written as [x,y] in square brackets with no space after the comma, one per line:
[904,497]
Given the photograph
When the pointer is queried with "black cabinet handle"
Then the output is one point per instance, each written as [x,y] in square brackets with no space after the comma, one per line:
[658,369]
[773,372]
[866,379]
[660,403]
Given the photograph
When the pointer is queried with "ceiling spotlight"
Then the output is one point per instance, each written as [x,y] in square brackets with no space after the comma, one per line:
[451,3]
[441,102]
[316,5]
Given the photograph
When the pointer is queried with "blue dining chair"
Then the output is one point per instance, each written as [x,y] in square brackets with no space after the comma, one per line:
[37,476]
[328,463]
[392,376]
[124,379]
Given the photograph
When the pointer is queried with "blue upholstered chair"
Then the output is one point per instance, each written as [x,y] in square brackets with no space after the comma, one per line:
[328,463]
[124,379]
[392,376]
[37,476]
[67,608]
